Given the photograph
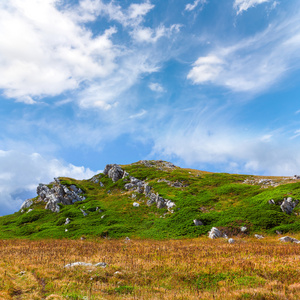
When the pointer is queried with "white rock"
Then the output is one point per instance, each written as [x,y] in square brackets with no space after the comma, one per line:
[214,233]
[101,264]
[288,239]
[29,210]
[231,241]
[78,263]
[197,222]
[27,203]
[243,229]
[135,204]
[258,236]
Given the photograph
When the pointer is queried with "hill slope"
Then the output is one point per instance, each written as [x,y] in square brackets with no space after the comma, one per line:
[120,208]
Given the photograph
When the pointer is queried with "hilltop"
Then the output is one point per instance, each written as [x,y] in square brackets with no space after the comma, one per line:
[155,199]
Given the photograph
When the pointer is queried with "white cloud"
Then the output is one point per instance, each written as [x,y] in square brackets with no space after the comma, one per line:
[253,64]
[156,87]
[20,173]
[139,115]
[229,150]
[149,35]
[241,5]
[45,52]
[190,7]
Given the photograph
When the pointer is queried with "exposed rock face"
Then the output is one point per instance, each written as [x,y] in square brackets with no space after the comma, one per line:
[288,205]
[27,203]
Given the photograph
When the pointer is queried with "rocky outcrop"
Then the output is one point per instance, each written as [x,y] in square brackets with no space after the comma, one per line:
[55,195]
[114,172]
[288,205]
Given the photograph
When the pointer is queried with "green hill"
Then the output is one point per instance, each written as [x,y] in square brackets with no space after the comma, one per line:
[225,201]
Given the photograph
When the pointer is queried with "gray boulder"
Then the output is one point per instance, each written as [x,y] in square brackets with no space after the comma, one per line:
[258,236]
[135,204]
[243,229]
[231,241]
[288,205]
[289,239]
[114,172]
[197,222]
[215,233]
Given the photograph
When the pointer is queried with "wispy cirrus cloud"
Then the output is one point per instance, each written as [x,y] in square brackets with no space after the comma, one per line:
[244,5]
[192,6]
[253,64]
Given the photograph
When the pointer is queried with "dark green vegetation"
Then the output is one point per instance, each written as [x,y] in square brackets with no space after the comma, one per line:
[217,199]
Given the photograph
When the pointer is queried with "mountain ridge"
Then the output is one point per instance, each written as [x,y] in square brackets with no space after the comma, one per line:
[156,199]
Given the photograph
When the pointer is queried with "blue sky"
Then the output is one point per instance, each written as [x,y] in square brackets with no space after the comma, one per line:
[205,84]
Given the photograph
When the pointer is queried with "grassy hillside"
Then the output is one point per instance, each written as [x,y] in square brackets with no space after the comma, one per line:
[226,201]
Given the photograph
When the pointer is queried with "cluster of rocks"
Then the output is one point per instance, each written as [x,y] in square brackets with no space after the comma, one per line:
[55,195]
[263,182]
[115,172]
[175,184]
[296,177]
[287,205]
[96,179]
[158,163]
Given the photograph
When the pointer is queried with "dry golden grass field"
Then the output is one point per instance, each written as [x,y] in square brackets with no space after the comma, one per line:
[146,269]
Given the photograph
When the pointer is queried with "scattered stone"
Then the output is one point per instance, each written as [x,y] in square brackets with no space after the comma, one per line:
[278,232]
[118,273]
[29,210]
[101,264]
[258,236]
[288,205]
[296,177]
[102,216]
[215,233]
[289,239]
[66,230]
[67,221]
[135,204]
[197,222]
[231,241]
[101,184]
[243,229]
[83,238]
[78,263]
[83,212]
[271,202]
[22,273]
